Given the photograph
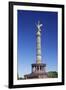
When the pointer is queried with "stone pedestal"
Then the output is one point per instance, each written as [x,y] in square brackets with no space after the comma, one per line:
[38,71]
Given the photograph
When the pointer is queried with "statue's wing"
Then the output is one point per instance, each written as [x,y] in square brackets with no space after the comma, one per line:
[41,25]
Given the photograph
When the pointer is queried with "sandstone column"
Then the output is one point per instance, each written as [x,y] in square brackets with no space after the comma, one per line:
[38,43]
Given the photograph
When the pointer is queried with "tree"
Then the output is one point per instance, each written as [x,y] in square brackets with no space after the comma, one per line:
[52,74]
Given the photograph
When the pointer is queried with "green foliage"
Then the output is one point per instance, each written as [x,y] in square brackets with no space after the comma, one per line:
[52,74]
[19,78]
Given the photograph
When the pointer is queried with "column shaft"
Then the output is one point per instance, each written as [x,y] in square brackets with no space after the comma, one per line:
[38,52]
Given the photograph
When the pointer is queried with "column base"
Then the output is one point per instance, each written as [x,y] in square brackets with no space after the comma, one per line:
[38,72]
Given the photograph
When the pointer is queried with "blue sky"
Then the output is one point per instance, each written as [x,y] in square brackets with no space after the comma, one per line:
[27,29]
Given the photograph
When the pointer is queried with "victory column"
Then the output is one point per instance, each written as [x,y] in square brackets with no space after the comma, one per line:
[38,68]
